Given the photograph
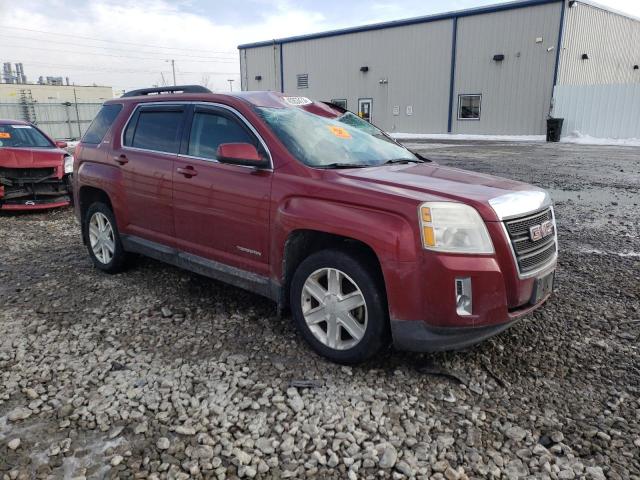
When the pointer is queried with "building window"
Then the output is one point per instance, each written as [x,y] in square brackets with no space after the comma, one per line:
[303,80]
[469,107]
[340,102]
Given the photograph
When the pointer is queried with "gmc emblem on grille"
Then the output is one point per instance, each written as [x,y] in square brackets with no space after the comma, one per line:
[538,232]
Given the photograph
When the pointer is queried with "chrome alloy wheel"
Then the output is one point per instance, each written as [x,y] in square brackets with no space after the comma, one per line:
[102,238]
[334,308]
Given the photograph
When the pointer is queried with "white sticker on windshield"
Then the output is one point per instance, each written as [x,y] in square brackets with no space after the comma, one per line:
[297,101]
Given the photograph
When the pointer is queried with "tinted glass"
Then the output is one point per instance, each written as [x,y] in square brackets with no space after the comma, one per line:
[210,130]
[23,136]
[101,124]
[157,130]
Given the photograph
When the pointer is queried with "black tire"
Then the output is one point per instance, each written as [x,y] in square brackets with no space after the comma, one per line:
[119,259]
[376,334]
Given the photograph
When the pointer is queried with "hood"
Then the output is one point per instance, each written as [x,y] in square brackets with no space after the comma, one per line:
[31,157]
[494,197]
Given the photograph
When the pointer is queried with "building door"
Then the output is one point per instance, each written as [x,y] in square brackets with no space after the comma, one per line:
[364,109]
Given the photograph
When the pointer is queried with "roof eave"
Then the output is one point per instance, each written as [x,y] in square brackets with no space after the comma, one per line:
[404,22]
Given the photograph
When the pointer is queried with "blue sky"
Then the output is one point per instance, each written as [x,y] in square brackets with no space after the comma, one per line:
[126,44]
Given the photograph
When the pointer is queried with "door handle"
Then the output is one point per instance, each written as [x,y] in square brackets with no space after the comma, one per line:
[121,159]
[187,171]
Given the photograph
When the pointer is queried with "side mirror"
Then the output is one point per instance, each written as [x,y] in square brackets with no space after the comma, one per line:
[240,154]
[61,144]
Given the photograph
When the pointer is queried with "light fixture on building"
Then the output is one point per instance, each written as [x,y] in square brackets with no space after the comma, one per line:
[585,56]
[364,69]
[636,67]
[498,57]
[383,81]
[258,77]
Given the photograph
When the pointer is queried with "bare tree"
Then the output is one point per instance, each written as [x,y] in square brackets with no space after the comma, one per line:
[205,81]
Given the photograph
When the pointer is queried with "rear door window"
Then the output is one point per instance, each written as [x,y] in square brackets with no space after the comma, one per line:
[210,129]
[156,129]
[101,124]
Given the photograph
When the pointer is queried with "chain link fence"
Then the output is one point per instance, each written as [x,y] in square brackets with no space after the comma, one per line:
[66,121]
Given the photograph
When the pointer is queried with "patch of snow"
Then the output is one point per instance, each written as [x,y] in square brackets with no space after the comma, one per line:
[579,138]
[602,252]
[456,136]
[574,137]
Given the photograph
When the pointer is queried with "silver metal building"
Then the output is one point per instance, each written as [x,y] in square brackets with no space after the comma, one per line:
[489,70]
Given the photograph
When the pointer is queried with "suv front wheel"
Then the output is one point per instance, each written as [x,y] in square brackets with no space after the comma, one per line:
[339,307]
[103,241]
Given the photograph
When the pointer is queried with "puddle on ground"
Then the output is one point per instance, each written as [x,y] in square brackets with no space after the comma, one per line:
[89,448]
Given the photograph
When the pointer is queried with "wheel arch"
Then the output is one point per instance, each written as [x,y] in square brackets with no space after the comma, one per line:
[88,195]
[303,225]
[301,243]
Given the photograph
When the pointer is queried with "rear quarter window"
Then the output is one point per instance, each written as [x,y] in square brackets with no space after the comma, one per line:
[101,124]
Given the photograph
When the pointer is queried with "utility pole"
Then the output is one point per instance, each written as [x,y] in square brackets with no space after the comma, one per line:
[75,98]
[230,84]
[173,68]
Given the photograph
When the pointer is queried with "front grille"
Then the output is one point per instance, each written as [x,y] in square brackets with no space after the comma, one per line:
[531,255]
[26,173]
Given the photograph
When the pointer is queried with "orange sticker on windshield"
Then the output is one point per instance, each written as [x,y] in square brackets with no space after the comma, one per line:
[339,131]
[5,135]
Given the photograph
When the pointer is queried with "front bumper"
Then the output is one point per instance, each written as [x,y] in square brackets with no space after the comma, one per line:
[417,336]
[43,195]
[422,298]
[40,205]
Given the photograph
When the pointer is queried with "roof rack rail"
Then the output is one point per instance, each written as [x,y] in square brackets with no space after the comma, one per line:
[164,90]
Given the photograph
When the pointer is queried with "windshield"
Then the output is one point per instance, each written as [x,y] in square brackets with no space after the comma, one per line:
[323,142]
[23,136]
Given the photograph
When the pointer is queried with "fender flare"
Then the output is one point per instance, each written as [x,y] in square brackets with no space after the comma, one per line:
[397,243]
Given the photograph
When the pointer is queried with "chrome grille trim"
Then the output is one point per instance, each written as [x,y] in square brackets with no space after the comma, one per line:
[531,257]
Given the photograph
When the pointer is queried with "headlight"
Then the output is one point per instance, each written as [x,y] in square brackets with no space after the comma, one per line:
[68,164]
[453,227]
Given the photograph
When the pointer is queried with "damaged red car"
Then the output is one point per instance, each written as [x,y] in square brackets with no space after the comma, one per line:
[35,171]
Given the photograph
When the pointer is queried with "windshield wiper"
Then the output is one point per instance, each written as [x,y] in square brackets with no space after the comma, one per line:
[343,165]
[402,160]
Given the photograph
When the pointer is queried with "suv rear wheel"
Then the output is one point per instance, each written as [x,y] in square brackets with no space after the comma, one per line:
[339,307]
[103,241]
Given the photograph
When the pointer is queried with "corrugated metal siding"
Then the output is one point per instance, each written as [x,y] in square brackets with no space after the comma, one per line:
[611,41]
[602,111]
[261,61]
[414,60]
[516,93]
[58,121]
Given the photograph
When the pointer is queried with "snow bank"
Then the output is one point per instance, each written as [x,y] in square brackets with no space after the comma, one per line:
[451,136]
[575,137]
[579,138]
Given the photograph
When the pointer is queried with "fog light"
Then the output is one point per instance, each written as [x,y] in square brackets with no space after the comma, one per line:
[464,297]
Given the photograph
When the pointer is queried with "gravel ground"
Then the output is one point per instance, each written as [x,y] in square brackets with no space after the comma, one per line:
[161,373]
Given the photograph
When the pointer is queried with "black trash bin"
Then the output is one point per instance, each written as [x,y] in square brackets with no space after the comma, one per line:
[554,129]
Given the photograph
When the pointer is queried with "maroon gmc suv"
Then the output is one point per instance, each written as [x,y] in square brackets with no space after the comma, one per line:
[307,204]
